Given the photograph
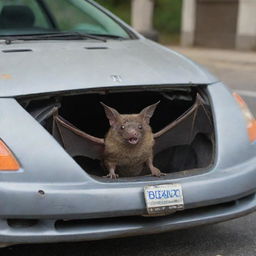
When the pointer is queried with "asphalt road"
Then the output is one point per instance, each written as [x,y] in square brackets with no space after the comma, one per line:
[232,238]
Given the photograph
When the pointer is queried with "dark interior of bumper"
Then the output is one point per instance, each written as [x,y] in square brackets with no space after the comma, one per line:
[84,112]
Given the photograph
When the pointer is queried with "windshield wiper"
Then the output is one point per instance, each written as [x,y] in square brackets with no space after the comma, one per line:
[107,36]
[50,36]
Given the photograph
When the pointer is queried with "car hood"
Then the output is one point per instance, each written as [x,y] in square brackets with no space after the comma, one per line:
[52,66]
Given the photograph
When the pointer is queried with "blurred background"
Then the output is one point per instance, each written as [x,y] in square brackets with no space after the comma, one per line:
[228,24]
[165,18]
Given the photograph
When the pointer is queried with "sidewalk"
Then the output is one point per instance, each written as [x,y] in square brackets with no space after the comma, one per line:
[219,58]
[237,69]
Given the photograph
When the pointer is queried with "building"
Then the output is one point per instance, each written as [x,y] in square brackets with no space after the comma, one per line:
[219,23]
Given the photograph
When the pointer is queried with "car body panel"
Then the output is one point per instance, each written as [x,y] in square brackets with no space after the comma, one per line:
[47,231]
[70,65]
[22,141]
[105,200]
[69,192]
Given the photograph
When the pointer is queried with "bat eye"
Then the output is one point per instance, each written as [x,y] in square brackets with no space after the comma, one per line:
[140,126]
[122,127]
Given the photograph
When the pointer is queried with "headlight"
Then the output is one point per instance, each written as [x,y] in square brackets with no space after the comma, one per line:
[251,122]
[7,160]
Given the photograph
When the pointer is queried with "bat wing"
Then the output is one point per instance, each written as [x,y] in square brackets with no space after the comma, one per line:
[183,130]
[76,142]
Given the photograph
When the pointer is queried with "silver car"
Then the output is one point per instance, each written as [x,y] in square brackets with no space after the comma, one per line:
[58,60]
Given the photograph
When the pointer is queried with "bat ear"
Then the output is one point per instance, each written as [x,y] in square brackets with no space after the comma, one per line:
[148,112]
[111,113]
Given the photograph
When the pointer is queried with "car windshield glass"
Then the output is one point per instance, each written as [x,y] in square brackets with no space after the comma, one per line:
[37,17]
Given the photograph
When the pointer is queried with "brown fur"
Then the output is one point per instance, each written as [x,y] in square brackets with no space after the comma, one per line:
[121,157]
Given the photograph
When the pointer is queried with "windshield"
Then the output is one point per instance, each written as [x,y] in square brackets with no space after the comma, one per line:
[32,17]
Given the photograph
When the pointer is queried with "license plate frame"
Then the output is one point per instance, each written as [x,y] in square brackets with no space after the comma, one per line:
[163,199]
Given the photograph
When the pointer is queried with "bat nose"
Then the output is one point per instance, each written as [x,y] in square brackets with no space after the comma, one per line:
[133,133]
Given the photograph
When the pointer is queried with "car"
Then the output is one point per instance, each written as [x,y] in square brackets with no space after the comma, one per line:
[60,59]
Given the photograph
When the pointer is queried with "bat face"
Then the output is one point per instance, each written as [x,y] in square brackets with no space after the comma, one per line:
[130,128]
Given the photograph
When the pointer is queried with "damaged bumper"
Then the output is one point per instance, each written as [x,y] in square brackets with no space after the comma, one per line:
[51,199]
[54,213]
[51,231]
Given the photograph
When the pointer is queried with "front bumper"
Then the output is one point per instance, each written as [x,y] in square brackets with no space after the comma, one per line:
[53,201]
[73,213]
[45,231]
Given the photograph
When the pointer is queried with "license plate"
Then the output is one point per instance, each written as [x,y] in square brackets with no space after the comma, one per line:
[163,199]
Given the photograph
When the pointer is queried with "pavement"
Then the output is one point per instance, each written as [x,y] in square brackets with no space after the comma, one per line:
[219,57]
[234,68]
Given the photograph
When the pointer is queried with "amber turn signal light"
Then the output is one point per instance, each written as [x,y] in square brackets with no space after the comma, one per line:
[251,122]
[7,159]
